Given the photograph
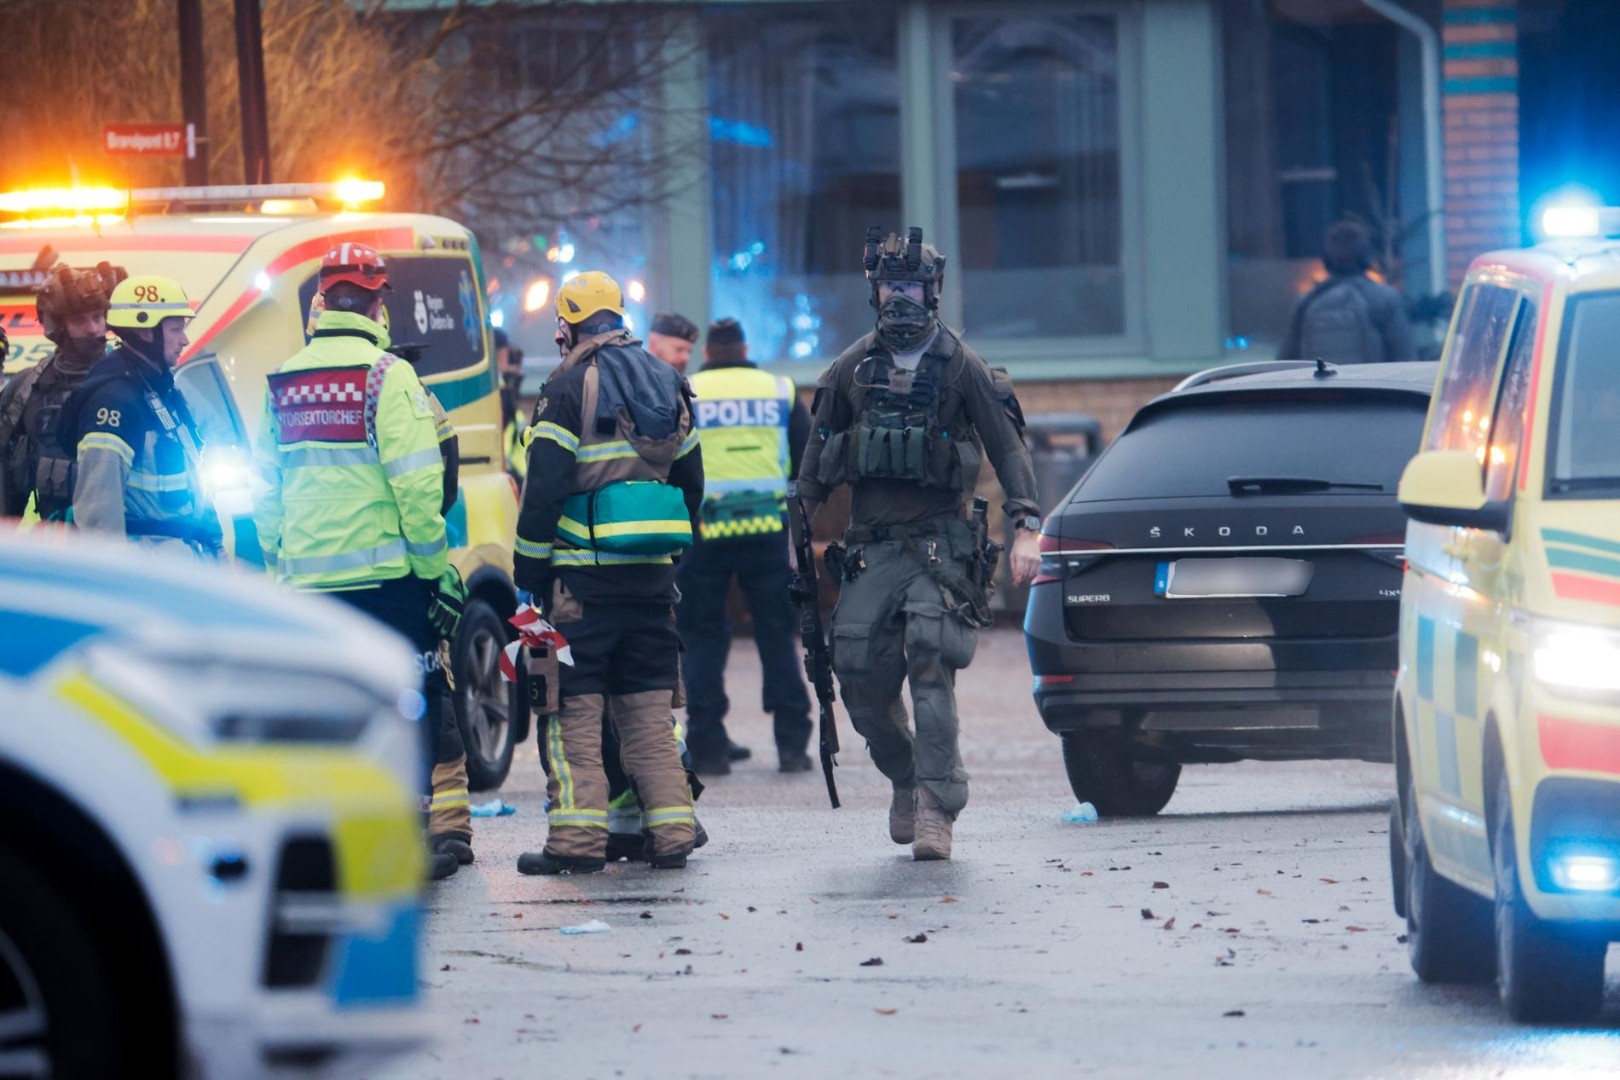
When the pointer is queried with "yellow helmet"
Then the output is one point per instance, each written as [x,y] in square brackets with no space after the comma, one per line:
[144,301]
[587,294]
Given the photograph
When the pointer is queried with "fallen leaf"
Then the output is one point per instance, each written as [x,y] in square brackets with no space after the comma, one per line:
[1310,920]
[519,915]
[1087,873]
[472,1020]
[894,916]
[1234,1012]
[1169,924]
[885,1012]
[646,914]
[947,900]
[719,1016]
[876,961]
[1263,892]
[683,952]
[1355,929]
[723,915]
[798,946]
[1400,939]
[688,970]
[1197,926]
[1161,884]
[636,1030]
[1328,881]
[1147,913]
[447,967]
[918,938]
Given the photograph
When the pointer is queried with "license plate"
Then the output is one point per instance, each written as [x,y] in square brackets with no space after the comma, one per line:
[1188,579]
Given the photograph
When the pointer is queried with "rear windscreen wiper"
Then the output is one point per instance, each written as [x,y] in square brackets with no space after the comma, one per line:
[1288,485]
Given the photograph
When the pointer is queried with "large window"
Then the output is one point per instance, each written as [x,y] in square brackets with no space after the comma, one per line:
[805,148]
[1462,413]
[1586,413]
[1037,137]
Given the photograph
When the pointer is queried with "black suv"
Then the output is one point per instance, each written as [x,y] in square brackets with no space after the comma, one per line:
[1225,581]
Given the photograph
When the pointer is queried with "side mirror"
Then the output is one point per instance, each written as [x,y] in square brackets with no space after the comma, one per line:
[1447,487]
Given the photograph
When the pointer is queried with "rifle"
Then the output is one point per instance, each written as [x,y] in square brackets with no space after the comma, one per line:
[806,592]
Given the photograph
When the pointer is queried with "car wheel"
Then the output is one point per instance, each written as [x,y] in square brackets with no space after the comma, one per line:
[57,1016]
[1397,858]
[1115,781]
[1448,928]
[1547,973]
[486,704]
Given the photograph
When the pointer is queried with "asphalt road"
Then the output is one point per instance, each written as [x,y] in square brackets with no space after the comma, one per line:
[1245,932]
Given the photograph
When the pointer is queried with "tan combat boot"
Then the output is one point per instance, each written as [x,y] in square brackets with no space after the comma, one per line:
[903,815]
[933,840]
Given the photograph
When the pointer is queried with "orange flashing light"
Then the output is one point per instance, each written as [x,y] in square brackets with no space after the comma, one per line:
[76,200]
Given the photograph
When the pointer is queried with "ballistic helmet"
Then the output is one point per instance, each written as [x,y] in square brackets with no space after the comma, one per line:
[68,292]
[890,258]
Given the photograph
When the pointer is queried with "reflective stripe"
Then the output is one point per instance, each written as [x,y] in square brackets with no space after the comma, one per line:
[458,797]
[669,815]
[583,557]
[428,550]
[101,440]
[558,434]
[624,819]
[680,526]
[687,445]
[322,456]
[754,526]
[532,549]
[561,770]
[421,459]
[167,305]
[445,429]
[349,560]
[146,481]
[579,819]
[608,451]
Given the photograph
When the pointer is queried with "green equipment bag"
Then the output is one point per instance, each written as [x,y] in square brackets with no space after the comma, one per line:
[628,517]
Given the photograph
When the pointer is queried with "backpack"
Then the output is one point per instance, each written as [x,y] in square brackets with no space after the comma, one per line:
[1335,324]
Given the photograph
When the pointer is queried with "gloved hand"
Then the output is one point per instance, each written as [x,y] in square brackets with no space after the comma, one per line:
[526,597]
[448,600]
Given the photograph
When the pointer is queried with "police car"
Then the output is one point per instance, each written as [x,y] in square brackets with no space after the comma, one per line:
[248,256]
[212,855]
[1505,838]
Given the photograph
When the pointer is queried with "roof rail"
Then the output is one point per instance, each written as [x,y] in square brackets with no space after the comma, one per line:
[1252,367]
[347,192]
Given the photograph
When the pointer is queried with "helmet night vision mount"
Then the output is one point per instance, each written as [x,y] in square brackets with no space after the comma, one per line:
[889,258]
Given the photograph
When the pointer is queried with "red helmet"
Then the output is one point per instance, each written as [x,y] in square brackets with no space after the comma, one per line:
[356,264]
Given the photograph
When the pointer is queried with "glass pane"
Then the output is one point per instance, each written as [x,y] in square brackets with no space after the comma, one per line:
[1586,453]
[1510,407]
[1038,176]
[805,146]
[1462,415]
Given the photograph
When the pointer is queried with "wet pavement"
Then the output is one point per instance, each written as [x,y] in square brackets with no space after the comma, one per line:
[1245,931]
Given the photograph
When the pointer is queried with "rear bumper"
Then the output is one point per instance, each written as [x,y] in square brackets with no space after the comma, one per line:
[1200,701]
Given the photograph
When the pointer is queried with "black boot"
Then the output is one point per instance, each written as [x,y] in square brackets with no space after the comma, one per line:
[737,751]
[441,864]
[668,862]
[543,862]
[627,846]
[454,844]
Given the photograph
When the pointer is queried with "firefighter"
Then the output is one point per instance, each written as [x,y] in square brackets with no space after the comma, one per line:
[35,465]
[904,417]
[350,489]
[136,446]
[615,483]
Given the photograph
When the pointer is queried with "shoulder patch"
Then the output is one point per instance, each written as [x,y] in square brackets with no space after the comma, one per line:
[320,405]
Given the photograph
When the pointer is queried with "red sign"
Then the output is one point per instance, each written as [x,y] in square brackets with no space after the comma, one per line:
[150,140]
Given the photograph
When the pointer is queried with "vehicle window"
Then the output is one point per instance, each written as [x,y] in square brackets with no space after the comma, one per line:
[1586,420]
[1462,412]
[210,401]
[434,306]
[1508,429]
[1194,449]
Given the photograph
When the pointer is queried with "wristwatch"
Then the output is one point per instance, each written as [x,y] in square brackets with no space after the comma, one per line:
[1028,521]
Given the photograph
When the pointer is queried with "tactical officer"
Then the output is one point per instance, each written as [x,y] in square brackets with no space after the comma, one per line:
[904,418]
[615,481]
[753,428]
[34,461]
[136,445]
[350,489]
[671,338]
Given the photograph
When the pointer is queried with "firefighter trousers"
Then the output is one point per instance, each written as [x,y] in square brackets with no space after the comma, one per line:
[625,661]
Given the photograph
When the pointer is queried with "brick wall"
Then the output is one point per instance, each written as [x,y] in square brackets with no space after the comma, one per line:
[1481,71]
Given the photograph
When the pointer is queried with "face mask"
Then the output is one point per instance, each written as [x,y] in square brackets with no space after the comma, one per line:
[86,349]
[903,324]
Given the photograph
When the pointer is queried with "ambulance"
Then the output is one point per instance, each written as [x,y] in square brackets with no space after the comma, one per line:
[1505,836]
[214,858]
[247,257]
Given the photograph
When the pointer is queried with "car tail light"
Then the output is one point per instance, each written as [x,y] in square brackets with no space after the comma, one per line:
[1058,552]
[1052,680]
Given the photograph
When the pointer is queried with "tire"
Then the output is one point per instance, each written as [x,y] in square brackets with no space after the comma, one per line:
[1397,858]
[486,705]
[1448,928]
[56,1006]
[1546,973]
[1116,782]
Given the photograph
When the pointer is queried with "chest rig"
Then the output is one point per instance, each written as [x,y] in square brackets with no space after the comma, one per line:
[900,429]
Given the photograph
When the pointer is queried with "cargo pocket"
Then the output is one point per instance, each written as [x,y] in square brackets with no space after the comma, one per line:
[933,631]
[565,606]
[833,465]
[851,647]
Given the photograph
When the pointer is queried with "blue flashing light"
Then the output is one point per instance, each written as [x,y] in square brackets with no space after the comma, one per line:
[740,132]
[1586,873]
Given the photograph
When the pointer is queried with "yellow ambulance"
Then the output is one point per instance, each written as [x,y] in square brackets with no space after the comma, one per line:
[1505,836]
[247,257]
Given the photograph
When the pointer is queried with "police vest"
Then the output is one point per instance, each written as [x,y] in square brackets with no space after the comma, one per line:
[742,420]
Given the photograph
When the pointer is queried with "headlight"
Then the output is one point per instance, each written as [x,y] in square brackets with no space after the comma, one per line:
[202,699]
[227,476]
[1571,657]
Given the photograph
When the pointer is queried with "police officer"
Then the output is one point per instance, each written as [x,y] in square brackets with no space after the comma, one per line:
[904,418]
[136,445]
[615,482]
[753,428]
[34,461]
[671,338]
[350,488]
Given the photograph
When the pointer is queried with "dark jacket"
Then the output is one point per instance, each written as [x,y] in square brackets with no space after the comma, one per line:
[1349,319]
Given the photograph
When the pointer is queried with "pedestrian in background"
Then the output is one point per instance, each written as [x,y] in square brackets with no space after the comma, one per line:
[1348,318]
[753,429]
[671,338]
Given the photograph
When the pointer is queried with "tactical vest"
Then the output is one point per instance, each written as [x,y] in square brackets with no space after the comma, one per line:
[35,460]
[900,430]
[742,416]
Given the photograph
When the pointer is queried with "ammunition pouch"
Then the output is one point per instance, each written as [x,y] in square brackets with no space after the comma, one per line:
[53,486]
